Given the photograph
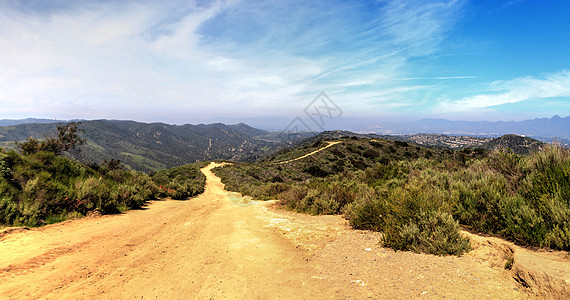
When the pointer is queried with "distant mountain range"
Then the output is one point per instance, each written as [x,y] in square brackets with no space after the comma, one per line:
[156,146]
[9,122]
[544,129]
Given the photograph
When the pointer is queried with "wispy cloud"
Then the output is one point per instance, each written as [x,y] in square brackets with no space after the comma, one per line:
[513,91]
[93,59]
[505,5]
[439,78]
[181,59]
[418,27]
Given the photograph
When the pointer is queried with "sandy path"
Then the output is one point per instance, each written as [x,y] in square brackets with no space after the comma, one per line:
[202,248]
[210,248]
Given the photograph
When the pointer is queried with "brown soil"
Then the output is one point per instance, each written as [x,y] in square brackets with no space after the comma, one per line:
[223,246]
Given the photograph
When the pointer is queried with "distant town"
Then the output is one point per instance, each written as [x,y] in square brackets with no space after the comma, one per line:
[447,141]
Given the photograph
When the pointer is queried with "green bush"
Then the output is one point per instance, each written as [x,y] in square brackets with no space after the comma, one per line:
[433,232]
[522,223]
[43,188]
[332,196]
[5,166]
[412,218]
[480,201]
[547,191]
[293,196]
[180,182]
[415,195]
[273,190]
[316,203]
[380,173]
[368,215]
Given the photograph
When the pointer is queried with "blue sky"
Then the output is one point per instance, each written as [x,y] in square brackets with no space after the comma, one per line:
[187,61]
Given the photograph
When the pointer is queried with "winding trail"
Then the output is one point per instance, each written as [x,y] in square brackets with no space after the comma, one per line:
[309,154]
[210,248]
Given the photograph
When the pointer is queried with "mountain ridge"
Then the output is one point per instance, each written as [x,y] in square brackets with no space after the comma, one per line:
[543,129]
[155,146]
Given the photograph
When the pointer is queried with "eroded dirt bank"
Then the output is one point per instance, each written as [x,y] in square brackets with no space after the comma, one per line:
[221,246]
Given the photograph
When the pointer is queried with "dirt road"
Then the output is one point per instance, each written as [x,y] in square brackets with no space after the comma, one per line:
[220,246]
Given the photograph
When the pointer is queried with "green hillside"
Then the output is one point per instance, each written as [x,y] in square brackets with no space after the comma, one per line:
[152,147]
[516,143]
[418,196]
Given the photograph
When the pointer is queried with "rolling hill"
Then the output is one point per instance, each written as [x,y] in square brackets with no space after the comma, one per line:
[157,146]
[516,143]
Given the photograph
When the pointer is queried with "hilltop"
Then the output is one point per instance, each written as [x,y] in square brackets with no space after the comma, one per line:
[516,143]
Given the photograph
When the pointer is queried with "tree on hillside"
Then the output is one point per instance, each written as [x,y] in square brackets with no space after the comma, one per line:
[66,139]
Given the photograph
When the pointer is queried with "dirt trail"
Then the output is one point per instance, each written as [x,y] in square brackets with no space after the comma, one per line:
[221,246]
[308,154]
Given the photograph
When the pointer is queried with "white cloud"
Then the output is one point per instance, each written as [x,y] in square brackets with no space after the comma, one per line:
[115,60]
[99,56]
[513,91]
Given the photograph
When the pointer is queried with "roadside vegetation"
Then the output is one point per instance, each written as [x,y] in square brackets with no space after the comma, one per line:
[43,185]
[180,183]
[417,196]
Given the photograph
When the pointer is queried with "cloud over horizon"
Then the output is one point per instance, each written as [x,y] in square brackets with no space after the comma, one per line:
[179,60]
[515,90]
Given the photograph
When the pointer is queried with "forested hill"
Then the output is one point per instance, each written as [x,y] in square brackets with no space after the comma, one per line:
[156,146]
[518,144]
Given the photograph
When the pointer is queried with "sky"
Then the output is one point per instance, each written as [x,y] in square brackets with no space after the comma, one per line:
[186,61]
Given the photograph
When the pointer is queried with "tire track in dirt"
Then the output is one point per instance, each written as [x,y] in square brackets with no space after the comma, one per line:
[35,262]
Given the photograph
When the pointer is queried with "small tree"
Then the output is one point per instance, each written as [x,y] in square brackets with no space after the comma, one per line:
[114,164]
[30,146]
[66,140]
